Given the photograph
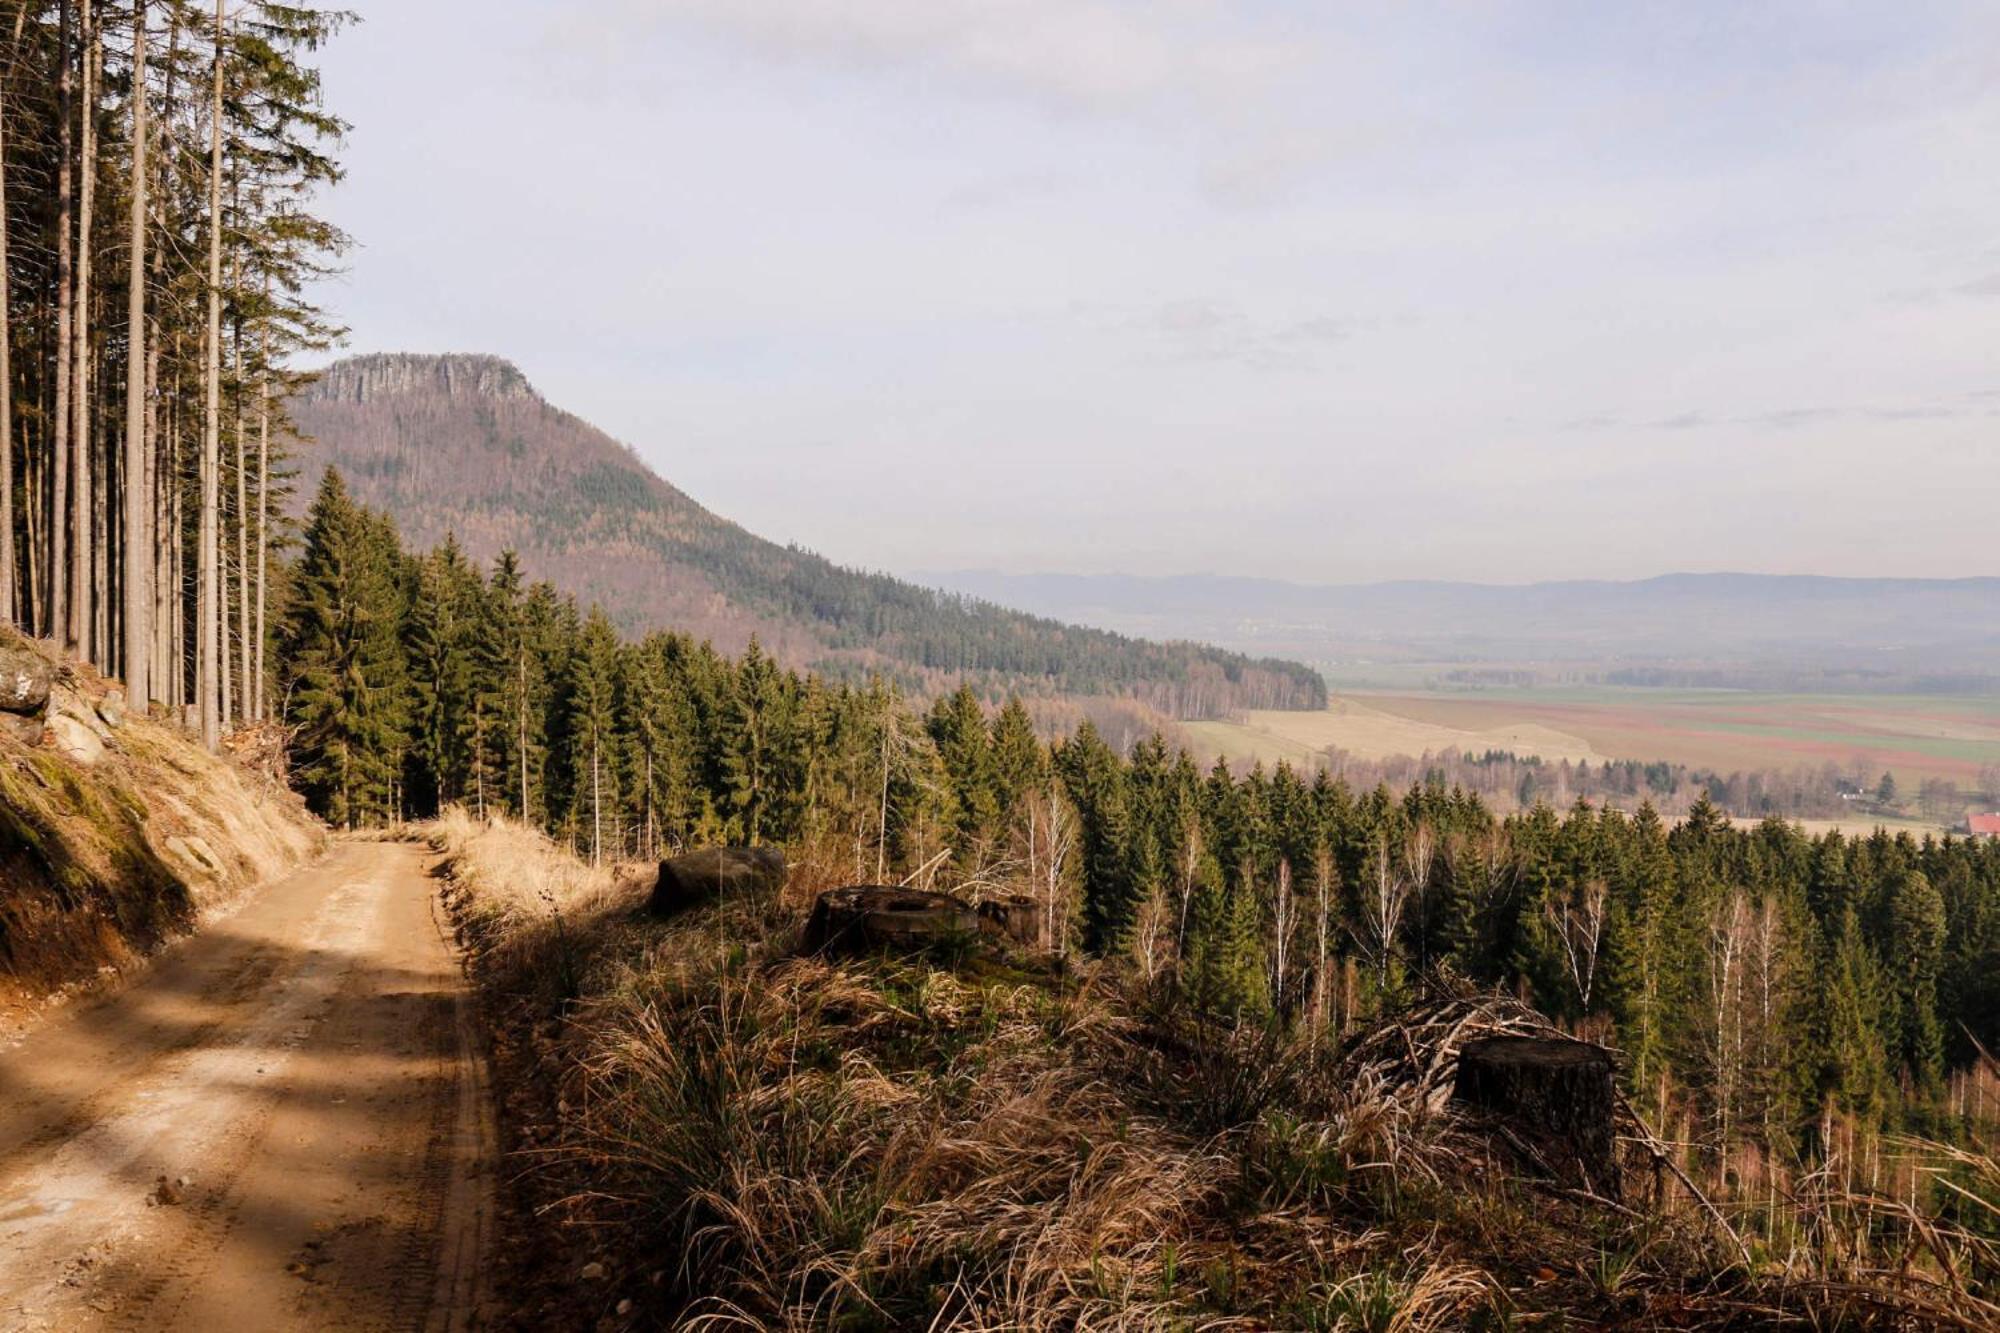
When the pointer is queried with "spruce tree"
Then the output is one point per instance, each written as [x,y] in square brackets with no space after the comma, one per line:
[592,731]
[1020,763]
[958,729]
[344,659]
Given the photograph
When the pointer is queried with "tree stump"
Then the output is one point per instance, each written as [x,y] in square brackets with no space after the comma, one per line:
[1018,918]
[867,917]
[715,872]
[1553,1096]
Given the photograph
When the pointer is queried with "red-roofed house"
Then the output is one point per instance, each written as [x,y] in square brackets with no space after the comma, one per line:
[1983,826]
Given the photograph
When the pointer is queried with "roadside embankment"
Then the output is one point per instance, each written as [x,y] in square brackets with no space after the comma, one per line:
[117,833]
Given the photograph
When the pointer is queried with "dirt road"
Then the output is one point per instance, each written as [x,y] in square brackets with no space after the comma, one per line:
[282,1125]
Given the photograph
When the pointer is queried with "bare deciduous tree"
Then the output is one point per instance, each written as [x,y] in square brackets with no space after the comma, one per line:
[1579,921]
[1050,830]
[1382,910]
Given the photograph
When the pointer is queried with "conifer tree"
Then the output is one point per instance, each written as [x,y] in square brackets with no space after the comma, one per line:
[439,648]
[751,753]
[592,727]
[1020,763]
[344,661]
[1915,954]
[1093,777]
[965,750]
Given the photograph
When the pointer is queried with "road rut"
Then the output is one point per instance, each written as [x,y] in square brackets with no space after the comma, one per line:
[283,1125]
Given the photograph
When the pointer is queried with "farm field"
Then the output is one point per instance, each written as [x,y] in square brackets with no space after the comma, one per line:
[1913,736]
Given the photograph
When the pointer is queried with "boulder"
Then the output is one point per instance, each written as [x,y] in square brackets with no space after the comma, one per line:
[1556,1098]
[111,709]
[25,677]
[715,872]
[866,917]
[1016,917]
[73,740]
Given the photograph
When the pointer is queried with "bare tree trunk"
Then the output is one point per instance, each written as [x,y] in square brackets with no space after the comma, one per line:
[242,535]
[882,818]
[165,467]
[82,548]
[208,587]
[521,724]
[159,529]
[57,627]
[138,497]
[34,605]
[177,525]
[9,609]
[225,585]
[258,697]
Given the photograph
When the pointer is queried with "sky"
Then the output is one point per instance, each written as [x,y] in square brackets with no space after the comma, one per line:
[1335,293]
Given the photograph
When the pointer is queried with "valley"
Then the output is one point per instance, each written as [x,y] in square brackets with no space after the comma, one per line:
[1943,751]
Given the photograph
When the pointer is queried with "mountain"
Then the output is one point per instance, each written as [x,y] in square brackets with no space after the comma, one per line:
[1754,630]
[464,445]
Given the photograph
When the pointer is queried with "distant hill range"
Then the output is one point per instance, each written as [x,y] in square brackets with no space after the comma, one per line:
[463,444]
[1734,630]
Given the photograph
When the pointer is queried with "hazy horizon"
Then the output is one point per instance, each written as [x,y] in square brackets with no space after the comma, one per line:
[1188,288]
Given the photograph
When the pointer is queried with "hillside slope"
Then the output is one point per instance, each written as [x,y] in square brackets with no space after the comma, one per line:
[116,832]
[464,445]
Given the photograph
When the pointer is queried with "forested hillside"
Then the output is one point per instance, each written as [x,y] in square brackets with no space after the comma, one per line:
[464,446]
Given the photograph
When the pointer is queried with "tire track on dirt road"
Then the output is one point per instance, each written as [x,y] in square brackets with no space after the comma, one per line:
[283,1124]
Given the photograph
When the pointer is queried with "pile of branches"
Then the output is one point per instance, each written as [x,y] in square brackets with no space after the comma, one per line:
[265,749]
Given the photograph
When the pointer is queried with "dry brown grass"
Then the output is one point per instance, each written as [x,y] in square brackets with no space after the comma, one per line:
[748,1139]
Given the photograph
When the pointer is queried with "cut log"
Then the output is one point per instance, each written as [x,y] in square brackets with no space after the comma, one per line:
[1018,918]
[868,917]
[1554,1097]
[715,872]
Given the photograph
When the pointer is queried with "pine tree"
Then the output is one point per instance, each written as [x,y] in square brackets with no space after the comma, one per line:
[1095,781]
[752,749]
[1915,955]
[1020,763]
[342,653]
[438,645]
[1853,1070]
[593,683]
[958,730]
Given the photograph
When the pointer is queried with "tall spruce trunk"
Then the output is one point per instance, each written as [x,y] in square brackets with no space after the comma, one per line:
[163,465]
[258,696]
[521,722]
[138,540]
[10,611]
[82,431]
[57,563]
[208,586]
[246,708]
